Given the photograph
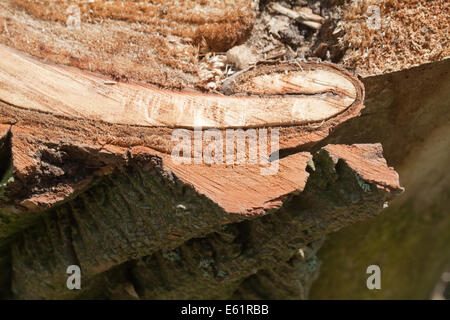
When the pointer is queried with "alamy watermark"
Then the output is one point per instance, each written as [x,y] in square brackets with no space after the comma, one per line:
[374,280]
[74,280]
[372,14]
[230,146]
[373,19]
[73,20]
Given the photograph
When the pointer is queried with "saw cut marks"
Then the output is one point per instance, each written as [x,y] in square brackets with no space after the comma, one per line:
[158,42]
[219,24]
[276,95]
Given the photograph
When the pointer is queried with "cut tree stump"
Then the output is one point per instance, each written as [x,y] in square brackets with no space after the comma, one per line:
[94,159]
[89,122]
[99,169]
[96,128]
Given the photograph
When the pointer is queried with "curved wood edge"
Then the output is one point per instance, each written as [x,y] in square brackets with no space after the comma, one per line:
[57,154]
[332,198]
[286,94]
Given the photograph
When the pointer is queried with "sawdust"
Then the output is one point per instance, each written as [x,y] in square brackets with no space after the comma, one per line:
[411,32]
[407,33]
[159,42]
[183,44]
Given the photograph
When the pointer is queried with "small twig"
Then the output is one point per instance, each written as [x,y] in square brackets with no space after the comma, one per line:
[308,19]
[317,126]
[6,28]
[299,65]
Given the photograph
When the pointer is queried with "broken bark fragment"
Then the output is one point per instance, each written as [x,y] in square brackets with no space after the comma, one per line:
[332,198]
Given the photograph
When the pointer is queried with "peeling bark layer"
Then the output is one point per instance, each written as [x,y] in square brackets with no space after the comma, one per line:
[101,235]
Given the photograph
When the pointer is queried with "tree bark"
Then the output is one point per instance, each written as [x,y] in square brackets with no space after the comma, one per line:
[104,203]
[408,112]
[89,122]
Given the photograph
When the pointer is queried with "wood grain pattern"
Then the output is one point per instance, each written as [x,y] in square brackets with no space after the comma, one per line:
[277,96]
[63,118]
[159,42]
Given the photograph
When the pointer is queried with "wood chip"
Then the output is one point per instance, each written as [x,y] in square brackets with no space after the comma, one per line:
[305,17]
